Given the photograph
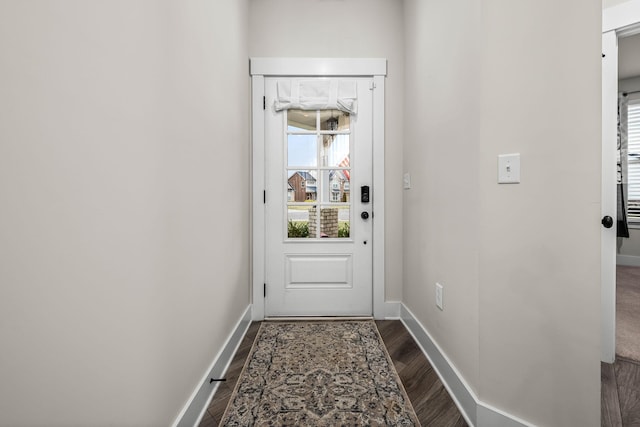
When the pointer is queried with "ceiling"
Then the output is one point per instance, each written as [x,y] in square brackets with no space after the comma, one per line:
[629,57]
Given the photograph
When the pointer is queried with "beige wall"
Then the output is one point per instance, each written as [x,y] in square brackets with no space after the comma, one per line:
[352,29]
[124,243]
[540,240]
[441,153]
[519,263]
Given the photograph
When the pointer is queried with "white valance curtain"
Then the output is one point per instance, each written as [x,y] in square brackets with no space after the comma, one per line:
[317,94]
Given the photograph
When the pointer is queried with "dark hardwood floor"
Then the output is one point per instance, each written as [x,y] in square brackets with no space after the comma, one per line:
[431,401]
[620,393]
[429,398]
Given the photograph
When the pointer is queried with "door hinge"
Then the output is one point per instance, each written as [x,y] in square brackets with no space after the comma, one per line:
[265,290]
[264,196]
[264,102]
[372,85]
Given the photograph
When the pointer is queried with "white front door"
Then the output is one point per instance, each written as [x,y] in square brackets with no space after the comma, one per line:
[318,223]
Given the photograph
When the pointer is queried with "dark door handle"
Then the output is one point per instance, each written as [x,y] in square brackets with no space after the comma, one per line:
[364,215]
[607,221]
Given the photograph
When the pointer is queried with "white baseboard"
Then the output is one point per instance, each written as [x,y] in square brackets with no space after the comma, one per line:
[474,411]
[196,406]
[489,416]
[630,260]
[392,310]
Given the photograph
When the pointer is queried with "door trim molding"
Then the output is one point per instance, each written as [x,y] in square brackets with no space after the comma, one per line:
[622,18]
[318,67]
[260,68]
[608,196]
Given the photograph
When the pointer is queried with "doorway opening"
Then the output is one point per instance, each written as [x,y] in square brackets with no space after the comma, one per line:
[620,24]
[318,187]
[628,198]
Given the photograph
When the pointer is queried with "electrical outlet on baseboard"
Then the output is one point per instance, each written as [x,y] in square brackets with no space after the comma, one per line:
[439,291]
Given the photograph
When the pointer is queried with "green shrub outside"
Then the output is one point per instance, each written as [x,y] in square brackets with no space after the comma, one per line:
[300,229]
[343,229]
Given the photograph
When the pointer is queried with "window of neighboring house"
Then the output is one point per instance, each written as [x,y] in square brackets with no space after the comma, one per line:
[633,162]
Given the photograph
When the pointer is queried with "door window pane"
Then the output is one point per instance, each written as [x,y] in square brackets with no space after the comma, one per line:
[298,222]
[300,120]
[334,120]
[334,221]
[335,151]
[302,186]
[302,150]
[336,183]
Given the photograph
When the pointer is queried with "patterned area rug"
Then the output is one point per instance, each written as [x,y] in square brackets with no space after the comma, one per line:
[319,373]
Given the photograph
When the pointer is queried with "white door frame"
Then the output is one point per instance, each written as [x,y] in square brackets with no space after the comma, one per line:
[618,21]
[315,67]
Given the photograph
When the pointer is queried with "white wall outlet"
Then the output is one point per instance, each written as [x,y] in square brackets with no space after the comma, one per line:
[439,290]
[509,168]
[406,181]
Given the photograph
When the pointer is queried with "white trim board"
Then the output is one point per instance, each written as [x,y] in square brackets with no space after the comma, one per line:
[317,67]
[629,260]
[195,407]
[608,196]
[622,18]
[475,412]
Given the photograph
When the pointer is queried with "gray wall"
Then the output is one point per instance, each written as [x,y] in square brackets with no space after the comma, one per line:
[520,264]
[124,239]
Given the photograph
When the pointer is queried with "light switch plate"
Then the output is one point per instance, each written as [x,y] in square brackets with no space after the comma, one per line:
[406,181]
[509,168]
[439,292]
